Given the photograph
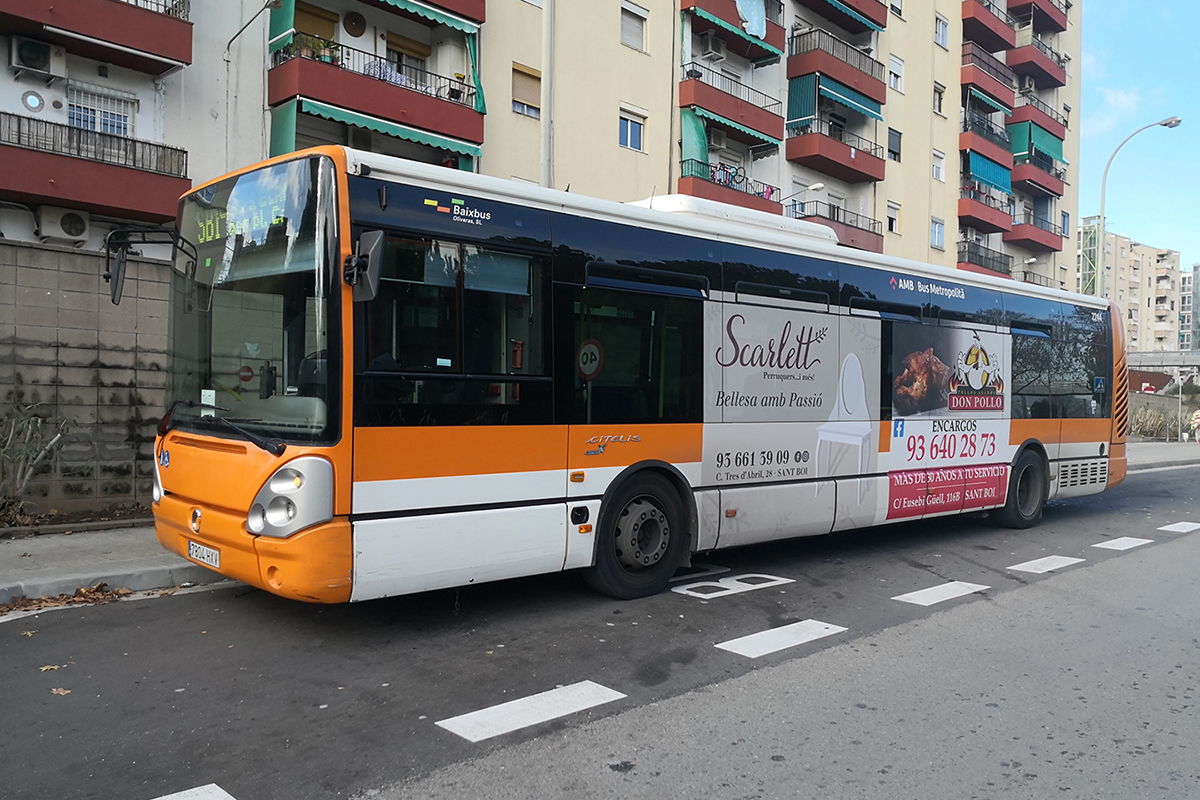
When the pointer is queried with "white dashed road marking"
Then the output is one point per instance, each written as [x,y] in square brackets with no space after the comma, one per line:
[209,792]
[1181,527]
[1047,564]
[1123,543]
[776,639]
[516,714]
[724,587]
[938,594]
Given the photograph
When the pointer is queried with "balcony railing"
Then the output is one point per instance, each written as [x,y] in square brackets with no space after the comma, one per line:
[835,132]
[980,256]
[1040,280]
[1049,52]
[179,9]
[988,197]
[53,137]
[377,67]
[1004,16]
[826,42]
[775,11]
[1043,162]
[974,55]
[819,208]
[1029,218]
[723,83]
[1035,101]
[975,123]
[729,176]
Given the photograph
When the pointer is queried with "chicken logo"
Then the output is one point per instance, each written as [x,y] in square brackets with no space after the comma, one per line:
[976,384]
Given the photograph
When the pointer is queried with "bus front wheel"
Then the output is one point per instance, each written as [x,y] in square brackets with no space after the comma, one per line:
[1027,489]
[640,540]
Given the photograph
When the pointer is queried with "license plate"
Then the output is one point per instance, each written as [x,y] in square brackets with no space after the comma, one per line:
[205,555]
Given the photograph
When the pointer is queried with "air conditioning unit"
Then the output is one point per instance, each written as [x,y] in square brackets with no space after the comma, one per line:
[712,47]
[39,58]
[1027,84]
[63,225]
[717,139]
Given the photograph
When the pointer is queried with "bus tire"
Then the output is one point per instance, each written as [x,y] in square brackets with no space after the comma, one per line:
[1028,486]
[641,539]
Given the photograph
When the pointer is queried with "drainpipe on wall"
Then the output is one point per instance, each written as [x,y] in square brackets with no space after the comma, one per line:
[546,134]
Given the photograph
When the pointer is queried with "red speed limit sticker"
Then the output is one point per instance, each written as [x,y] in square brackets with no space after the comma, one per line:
[590,359]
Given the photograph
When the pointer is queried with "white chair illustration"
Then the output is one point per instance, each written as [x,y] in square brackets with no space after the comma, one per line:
[850,423]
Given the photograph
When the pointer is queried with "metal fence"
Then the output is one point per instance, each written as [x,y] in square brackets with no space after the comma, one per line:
[723,83]
[1029,218]
[1043,162]
[819,208]
[729,176]
[836,132]
[775,11]
[52,137]
[989,197]
[179,9]
[377,67]
[1036,102]
[974,55]
[994,7]
[826,42]
[1049,52]
[975,123]
[980,256]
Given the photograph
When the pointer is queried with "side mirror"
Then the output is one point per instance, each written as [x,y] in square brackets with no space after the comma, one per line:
[363,269]
[114,272]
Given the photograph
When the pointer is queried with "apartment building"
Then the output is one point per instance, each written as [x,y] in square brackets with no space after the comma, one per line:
[937,130]
[1186,291]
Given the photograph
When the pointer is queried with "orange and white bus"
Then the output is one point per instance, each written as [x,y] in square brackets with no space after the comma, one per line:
[387,377]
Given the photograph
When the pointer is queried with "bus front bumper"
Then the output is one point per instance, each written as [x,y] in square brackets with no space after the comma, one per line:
[314,565]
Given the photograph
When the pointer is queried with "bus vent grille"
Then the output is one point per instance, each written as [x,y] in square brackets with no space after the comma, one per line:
[1083,473]
[1121,401]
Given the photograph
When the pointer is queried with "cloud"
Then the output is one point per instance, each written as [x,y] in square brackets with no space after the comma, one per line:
[1117,106]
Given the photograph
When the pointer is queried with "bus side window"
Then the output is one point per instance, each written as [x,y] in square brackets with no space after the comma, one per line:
[653,356]
[1032,356]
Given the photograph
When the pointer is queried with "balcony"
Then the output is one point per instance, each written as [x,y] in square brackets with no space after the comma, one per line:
[1030,108]
[855,16]
[987,74]
[1038,174]
[834,151]
[363,82]
[148,36]
[981,135]
[981,209]
[853,230]
[1036,279]
[1045,15]
[820,51]
[1034,233]
[974,257]
[726,183]
[1036,59]
[714,91]
[988,25]
[46,162]
[722,16]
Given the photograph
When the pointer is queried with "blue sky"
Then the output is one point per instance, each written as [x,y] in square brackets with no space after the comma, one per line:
[1140,64]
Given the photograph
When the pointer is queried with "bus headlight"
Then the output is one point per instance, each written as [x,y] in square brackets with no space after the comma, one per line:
[296,497]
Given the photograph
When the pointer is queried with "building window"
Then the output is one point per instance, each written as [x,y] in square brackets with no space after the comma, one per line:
[893,217]
[1066,222]
[937,234]
[941,31]
[97,108]
[896,74]
[897,7]
[939,97]
[939,166]
[526,91]
[631,132]
[893,150]
[633,25]
[407,56]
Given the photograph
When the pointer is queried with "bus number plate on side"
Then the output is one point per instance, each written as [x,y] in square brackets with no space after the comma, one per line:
[205,555]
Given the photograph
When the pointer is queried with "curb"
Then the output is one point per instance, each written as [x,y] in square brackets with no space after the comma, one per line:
[1160,464]
[79,527]
[152,577]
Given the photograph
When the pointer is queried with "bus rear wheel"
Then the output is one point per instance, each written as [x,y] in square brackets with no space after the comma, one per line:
[1027,489]
[640,540]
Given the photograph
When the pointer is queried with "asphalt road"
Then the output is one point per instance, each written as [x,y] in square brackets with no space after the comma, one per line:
[1076,683]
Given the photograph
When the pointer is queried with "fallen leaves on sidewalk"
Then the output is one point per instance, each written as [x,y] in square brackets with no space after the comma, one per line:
[48,667]
[28,633]
[87,595]
[60,691]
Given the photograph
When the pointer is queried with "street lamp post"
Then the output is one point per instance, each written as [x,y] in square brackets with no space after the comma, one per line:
[1169,122]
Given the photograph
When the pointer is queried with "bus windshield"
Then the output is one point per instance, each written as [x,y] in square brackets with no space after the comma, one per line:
[252,335]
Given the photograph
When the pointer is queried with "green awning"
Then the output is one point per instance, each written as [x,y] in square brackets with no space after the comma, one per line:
[850,12]
[802,99]
[748,131]
[700,12]
[1045,142]
[851,99]
[434,15]
[1019,133]
[390,128]
[695,138]
[989,172]
[989,102]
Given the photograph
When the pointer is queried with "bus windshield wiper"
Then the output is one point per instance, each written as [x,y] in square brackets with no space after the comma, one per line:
[164,424]
[274,446]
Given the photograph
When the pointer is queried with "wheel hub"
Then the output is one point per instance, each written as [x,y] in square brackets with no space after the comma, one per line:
[643,534]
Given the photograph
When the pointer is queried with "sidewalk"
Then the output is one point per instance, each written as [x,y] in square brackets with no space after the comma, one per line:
[131,558]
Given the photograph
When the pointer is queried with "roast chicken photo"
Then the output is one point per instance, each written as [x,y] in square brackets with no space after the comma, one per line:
[922,385]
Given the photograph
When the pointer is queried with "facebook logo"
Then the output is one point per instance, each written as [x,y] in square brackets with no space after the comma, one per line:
[898,429]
